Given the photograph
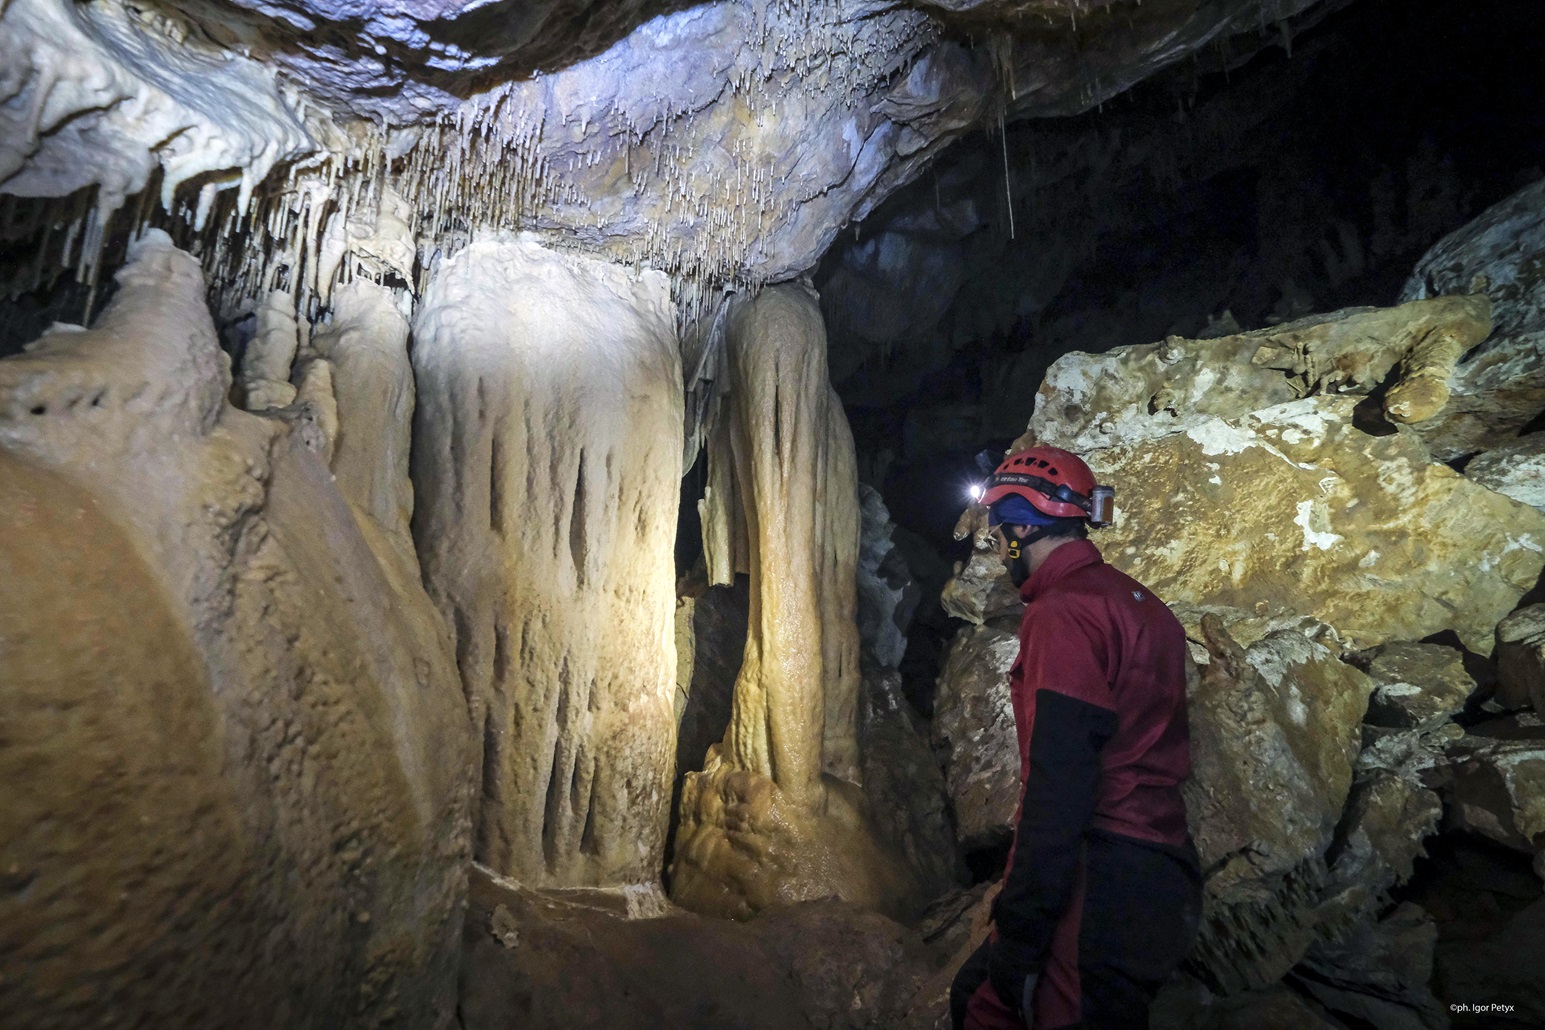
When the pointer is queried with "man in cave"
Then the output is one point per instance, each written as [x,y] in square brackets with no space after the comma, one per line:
[1102,890]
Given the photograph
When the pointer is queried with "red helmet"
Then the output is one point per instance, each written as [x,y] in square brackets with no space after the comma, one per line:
[1056,482]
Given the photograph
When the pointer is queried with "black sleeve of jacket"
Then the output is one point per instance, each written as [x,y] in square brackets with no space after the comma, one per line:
[1059,800]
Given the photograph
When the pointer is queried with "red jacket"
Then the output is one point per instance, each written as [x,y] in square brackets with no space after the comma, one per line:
[1099,693]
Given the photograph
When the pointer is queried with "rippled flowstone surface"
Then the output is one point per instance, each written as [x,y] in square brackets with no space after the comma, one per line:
[237,758]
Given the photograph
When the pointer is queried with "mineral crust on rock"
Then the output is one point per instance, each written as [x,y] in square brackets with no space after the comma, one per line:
[233,708]
[546,460]
[1516,469]
[1417,685]
[366,347]
[1089,402]
[1388,816]
[887,594]
[1295,506]
[1274,732]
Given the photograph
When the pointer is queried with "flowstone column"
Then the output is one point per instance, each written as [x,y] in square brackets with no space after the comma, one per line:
[776,814]
[547,463]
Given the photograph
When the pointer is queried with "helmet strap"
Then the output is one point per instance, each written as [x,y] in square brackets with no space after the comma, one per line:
[1019,552]
[1018,559]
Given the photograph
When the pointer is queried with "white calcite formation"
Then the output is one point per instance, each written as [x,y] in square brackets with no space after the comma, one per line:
[546,465]
[776,815]
[104,95]
[236,748]
[1516,469]
[1417,685]
[724,140]
[1089,402]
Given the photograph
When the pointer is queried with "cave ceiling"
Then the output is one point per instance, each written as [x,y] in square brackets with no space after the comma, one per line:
[720,141]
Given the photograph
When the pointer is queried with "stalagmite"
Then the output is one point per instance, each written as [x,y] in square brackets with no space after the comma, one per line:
[367,346]
[248,770]
[265,369]
[546,461]
[774,815]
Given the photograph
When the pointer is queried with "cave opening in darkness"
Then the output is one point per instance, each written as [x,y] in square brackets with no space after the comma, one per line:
[1207,200]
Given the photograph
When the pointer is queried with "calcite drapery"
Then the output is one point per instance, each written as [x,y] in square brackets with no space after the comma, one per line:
[366,343]
[775,815]
[785,446]
[235,749]
[547,458]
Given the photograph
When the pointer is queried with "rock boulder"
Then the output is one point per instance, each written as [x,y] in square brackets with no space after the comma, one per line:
[1417,685]
[1499,386]
[974,735]
[1295,506]
[1521,659]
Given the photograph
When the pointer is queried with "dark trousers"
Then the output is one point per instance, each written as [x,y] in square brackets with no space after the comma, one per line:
[1129,928]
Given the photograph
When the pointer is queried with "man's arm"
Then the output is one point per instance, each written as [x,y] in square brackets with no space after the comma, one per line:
[1063,667]
[1059,798]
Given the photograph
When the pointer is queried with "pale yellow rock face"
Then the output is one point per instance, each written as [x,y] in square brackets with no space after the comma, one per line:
[1088,402]
[1295,507]
[774,816]
[1274,733]
[547,461]
[233,744]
